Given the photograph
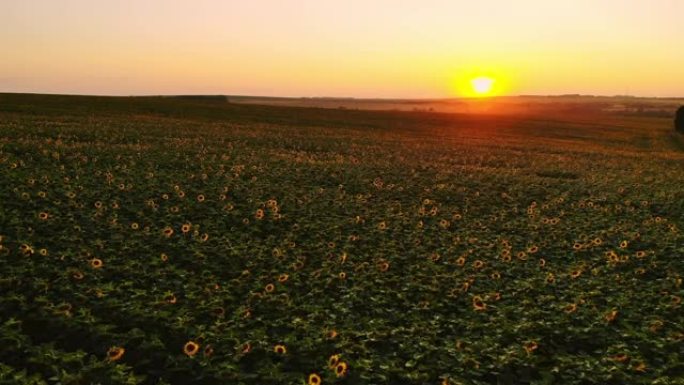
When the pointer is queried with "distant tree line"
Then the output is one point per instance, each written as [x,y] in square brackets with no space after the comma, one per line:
[679,120]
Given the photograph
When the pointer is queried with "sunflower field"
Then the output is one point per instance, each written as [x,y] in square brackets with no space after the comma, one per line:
[172,241]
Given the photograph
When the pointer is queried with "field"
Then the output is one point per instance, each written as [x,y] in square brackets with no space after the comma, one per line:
[190,240]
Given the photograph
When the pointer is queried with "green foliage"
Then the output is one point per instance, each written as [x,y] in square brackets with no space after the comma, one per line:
[420,248]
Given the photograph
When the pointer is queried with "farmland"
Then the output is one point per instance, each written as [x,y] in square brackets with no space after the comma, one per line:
[179,240]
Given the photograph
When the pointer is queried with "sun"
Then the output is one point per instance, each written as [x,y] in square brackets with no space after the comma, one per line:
[482,85]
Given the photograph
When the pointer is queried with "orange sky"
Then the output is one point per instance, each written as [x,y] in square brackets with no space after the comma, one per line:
[362,48]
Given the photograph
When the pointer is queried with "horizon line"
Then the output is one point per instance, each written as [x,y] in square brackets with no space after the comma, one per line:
[380,98]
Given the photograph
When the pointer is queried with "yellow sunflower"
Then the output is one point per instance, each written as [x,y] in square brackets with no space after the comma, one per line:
[341,369]
[115,353]
[314,379]
[190,348]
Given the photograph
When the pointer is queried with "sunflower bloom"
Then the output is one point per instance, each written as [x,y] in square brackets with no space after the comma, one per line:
[341,369]
[621,357]
[115,353]
[280,349]
[530,347]
[333,361]
[478,304]
[190,348]
[96,263]
[314,379]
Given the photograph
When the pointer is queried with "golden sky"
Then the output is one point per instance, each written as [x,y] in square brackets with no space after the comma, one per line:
[362,48]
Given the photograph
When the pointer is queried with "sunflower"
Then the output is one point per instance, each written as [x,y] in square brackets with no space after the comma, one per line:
[577,246]
[77,275]
[478,264]
[42,252]
[314,379]
[530,347]
[533,249]
[506,257]
[164,257]
[200,198]
[269,288]
[639,367]
[333,361]
[246,348]
[208,351]
[219,311]
[98,204]
[181,194]
[461,261]
[343,275]
[571,308]
[611,316]
[259,214]
[613,257]
[168,231]
[620,357]
[204,237]
[135,226]
[656,325]
[331,334]
[382,225]
[640,254]
[280,349]
[444,223]
[43,216]
[96,263]
[478,305]
[550,278]
[597,241]
[185,228]
[190,348]
[522,256]
[384,266]
[283,278]
[115,353]
[676,300]
[170,299]
[341,369]
[495,275]
[26,249]
[576,273]
[624,244]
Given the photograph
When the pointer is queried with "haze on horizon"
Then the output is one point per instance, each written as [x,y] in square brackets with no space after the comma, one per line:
[380,48]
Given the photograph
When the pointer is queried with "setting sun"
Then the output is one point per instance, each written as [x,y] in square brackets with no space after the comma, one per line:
[482,85]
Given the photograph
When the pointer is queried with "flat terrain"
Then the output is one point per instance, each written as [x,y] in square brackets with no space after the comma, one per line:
[190,240]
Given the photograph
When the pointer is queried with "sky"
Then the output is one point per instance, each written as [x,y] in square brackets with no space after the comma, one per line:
[349,48]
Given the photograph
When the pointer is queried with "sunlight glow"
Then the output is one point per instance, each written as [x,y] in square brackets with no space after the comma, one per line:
[482,85]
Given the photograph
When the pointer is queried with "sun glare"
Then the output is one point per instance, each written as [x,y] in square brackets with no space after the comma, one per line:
[482,85]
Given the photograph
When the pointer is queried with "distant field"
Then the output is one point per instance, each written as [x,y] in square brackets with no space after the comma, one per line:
[190,240]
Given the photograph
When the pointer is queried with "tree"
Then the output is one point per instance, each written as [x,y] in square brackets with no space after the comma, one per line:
[679,120]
